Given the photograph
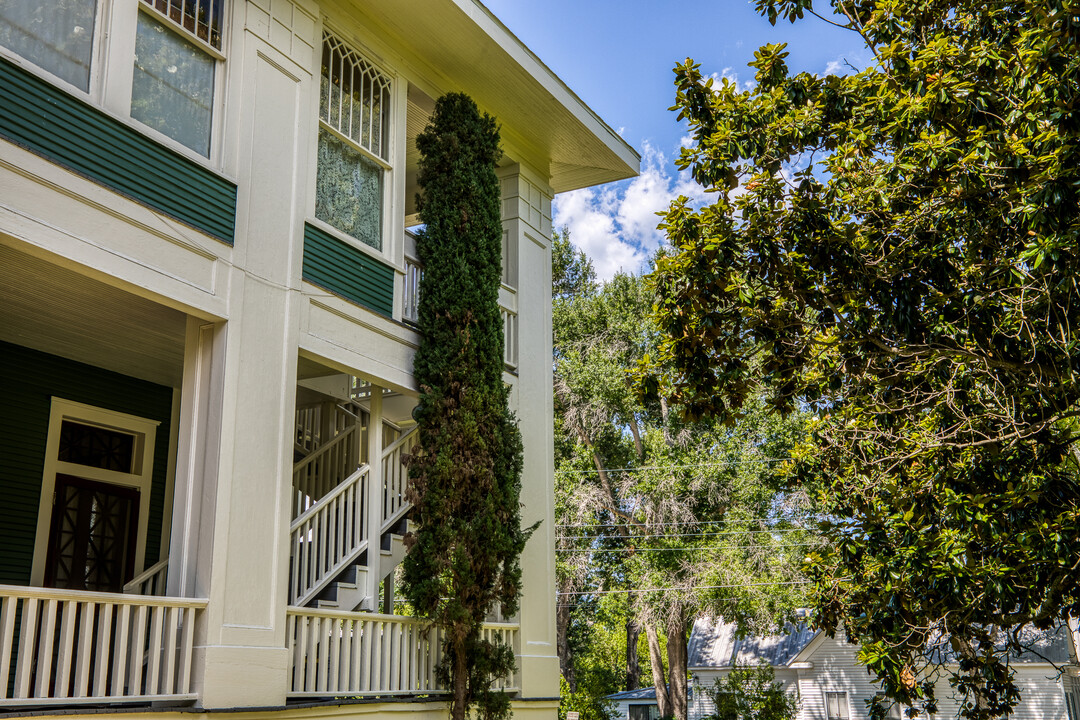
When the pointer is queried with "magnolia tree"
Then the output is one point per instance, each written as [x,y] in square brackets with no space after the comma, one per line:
[902,258]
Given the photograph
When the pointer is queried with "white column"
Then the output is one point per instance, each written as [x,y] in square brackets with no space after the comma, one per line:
[241,660]
[526,213]
[374,498]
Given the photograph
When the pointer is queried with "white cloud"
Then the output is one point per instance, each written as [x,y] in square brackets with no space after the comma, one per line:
[616,225]
[834,67]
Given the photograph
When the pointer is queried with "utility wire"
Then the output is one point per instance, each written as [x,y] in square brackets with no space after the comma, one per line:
[672,467]
[683,522]
[681,549]
[679,535]
[695,587]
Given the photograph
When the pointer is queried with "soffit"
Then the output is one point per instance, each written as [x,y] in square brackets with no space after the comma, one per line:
[59,311]
[462,46]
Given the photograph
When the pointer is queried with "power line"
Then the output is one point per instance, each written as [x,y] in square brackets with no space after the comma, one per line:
[680,535]
[682,549]
[672,467]
[683,522]
[695,587]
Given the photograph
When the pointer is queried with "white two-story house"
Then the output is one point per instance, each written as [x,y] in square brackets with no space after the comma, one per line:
[206,292]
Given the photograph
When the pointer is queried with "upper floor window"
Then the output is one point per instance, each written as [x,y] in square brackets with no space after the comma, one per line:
[178,47]
[353,159]
[57,37]
[176,53]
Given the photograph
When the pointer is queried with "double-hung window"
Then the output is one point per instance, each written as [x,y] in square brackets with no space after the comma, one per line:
[177,48]
[836,706]
[171,50]
[354,143]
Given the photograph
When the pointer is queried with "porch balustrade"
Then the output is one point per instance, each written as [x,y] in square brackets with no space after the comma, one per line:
[359,654]
[69,647]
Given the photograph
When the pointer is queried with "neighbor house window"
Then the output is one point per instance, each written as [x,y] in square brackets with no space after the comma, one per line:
[836,706]
[177,47]
[57,37]
[354,121]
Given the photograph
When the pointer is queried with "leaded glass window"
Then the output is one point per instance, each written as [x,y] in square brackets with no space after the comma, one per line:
[354,114]
[56,36]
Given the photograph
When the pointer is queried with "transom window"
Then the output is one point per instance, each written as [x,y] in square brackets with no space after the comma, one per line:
[353,159]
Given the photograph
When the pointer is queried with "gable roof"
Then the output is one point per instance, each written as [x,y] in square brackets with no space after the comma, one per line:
[715,644]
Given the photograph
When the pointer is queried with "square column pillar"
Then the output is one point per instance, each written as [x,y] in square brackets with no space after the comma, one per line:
[526,219]
[239,391]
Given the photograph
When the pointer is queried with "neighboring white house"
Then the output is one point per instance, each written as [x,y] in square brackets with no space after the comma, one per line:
[207,297]
[832,685]
[637,704]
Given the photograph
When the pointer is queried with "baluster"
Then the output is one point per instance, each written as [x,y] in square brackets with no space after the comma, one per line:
[7,640]
[45,648]
[66,649]
[153,661]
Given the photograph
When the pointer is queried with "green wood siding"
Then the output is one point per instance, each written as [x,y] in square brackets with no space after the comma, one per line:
[50,122]
[28,381]
[343,270]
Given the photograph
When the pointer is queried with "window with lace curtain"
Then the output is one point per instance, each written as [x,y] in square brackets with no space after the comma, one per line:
[353,154]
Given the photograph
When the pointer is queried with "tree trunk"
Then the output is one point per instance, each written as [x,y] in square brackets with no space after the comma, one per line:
[460,680]
[562,645]
[656,661]
[633,665]
[962,647]
[677,671]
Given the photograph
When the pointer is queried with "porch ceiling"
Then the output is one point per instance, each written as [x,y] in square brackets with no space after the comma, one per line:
[59,311]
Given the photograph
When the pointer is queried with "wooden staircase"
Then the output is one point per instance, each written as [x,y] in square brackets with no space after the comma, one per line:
[349,515]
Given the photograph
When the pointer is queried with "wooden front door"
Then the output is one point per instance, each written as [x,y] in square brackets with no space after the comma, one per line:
[93,535]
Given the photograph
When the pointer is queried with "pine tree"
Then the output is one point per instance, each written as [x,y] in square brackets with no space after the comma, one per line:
[465,478]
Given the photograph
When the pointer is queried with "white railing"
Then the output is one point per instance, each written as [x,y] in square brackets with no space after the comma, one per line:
[396,479]
[510,335]
[336,653]
[324,469]
[65,647]
[410,291]
[150,581]
[328,537]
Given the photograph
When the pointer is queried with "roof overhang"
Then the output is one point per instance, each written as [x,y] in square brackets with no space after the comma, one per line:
[459,45]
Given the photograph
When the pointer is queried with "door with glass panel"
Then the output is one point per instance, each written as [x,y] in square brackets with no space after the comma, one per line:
[93,535]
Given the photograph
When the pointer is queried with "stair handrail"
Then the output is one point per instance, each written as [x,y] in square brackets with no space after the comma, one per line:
[134,586]
[319,554]
[329,497]
[397,443]
[323,449]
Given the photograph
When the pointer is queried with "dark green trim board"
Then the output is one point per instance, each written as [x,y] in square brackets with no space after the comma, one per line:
[346,271]
[28,381]
[49,122]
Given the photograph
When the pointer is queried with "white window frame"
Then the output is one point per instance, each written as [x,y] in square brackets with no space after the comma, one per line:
[112,61]
[847,704]
[141,477]
[393,190]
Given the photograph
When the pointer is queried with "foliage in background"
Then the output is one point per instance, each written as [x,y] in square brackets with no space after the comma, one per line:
[465,478]
[902,257]
[679,515]
[751,693]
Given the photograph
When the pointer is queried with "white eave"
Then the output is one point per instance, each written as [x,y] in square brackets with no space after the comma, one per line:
[461,46]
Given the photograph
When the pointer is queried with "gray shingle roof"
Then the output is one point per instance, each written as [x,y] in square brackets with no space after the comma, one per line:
[713,643]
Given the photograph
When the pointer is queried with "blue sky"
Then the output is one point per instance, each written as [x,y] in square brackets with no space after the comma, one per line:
[618,57]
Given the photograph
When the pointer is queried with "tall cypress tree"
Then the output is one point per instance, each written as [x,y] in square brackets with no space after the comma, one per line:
[465,477]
